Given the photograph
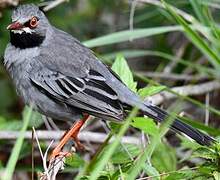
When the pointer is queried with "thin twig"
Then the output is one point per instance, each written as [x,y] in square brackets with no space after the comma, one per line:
[32,155]
[172,64]
[56,135]
[185,15]
[143,139]
[53,4]
[172,76]
[131,19]
[47,124]
[46,171]
[38,144]
[55,165]
[45,160]
[187,90]
[167,173]
[52,124]
[4,3]
[207,97]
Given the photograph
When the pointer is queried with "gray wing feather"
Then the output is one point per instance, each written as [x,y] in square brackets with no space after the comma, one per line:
[89,93]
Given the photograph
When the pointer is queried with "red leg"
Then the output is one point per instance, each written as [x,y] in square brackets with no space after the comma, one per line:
[79,145]
[75,134]
[72,133]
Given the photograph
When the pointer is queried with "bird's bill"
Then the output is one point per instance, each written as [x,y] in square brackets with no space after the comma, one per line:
[15,26]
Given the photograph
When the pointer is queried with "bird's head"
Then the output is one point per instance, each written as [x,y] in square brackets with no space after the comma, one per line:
[29,26]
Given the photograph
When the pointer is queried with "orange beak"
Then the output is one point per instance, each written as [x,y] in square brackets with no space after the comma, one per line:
[15,26]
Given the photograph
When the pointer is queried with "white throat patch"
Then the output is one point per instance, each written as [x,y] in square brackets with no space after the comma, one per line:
[25,29]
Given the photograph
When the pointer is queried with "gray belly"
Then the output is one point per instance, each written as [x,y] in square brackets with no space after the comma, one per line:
[48,106]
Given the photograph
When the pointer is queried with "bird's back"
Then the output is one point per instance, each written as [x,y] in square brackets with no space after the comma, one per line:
[73,58]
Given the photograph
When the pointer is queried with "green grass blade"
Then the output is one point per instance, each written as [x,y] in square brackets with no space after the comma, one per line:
[127,35]
[199,10]
[211,4]
[195,38]
[214,27]
[8,173]
[205,16]
[196,124]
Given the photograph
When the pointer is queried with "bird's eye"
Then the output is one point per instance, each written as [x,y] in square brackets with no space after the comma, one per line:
[33,22]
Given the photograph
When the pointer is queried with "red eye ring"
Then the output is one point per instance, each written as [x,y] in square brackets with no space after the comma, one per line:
[33,22]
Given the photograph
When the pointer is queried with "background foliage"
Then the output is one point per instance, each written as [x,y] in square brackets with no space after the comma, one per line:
[169,39]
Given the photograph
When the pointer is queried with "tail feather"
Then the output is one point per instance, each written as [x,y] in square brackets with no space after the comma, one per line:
[179,126]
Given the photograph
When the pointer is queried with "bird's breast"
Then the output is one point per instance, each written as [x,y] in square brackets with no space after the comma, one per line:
[18,64]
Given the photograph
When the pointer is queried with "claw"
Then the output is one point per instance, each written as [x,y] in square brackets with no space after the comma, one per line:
[79,145]
[56,154]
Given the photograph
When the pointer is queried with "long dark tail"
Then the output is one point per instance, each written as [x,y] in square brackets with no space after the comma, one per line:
[178,126]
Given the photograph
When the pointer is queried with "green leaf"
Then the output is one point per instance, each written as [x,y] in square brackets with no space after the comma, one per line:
[208,168]
[121,68]
[25,150]
[114,126]
[124,168]
[145,124]
[36,120]
[123,154]
[149,91]
[186,143]
[152,171]
[179,176]
[164,158]
[147,153]
[84,178]
[216,175]
[74,161]
[10,125]
[1,165]
[205,152]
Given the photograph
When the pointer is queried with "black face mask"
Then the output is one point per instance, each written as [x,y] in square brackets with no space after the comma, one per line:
[26,40]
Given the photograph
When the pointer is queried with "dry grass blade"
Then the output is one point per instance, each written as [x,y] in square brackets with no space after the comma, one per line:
[55,164]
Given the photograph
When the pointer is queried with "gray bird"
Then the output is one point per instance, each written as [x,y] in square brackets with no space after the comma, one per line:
[63,79]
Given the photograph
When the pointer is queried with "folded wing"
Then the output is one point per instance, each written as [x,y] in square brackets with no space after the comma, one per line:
[89,92]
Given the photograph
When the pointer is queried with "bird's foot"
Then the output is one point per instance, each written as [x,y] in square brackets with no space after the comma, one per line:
[56,154]
[79,145]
